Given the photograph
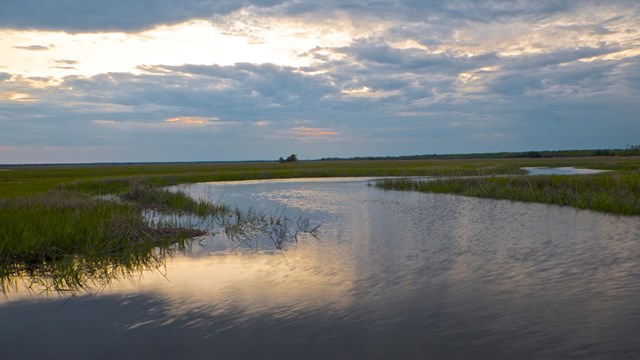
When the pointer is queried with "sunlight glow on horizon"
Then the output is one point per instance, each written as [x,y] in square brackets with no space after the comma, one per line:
[58,54]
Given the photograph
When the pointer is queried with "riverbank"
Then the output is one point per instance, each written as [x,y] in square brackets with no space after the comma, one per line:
[60,214]
[617,193]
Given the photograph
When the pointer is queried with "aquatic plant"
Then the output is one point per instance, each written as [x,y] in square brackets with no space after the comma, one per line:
[251,228]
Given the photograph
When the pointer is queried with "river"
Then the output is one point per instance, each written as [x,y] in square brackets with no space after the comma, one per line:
[391,275]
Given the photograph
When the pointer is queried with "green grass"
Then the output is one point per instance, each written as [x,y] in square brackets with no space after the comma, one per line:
[112,178]
[617,193]
[165,201]
[52,224]
[66,236]
[116,178]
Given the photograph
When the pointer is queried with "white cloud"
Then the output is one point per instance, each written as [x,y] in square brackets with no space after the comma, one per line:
[193,42]
[16,96]
[192,120]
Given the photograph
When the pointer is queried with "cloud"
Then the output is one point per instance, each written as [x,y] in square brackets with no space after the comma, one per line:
[312,132]
[32,47]
[152,125]
[106,122]
[66,62]
[192,120]
[400,77]
[113,15]
[16,96]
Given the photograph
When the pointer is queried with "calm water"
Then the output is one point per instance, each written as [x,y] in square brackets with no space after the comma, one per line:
[561,171]
[392,275]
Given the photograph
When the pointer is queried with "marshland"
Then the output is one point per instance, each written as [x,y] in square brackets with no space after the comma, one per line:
[379,258]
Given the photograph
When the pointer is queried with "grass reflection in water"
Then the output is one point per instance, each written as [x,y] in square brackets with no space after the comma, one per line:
[66,241]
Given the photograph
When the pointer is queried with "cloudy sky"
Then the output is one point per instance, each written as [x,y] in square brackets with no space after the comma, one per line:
[197,80]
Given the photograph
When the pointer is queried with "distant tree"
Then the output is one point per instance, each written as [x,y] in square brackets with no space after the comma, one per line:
[291,158]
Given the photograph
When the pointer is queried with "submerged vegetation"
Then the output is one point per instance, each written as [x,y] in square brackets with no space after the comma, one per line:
[252,228]
[71,225]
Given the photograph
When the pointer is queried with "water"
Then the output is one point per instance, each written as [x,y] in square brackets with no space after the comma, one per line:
[392,275]
[561,171]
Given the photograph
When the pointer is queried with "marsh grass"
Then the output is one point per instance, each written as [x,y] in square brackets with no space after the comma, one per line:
[249,228]
[617,193]
[167,201]
[63,227]
[115,178]
[66,240]
[67,237]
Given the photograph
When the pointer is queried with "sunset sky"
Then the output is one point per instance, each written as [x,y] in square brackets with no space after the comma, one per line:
[198,80]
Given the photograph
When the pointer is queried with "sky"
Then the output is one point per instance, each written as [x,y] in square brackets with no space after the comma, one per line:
[218,80]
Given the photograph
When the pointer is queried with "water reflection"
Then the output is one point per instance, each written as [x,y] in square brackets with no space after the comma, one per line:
[392,275]
[256,282]
[74,274]
[567,170]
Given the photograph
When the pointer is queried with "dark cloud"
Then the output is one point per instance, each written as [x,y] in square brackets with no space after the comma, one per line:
[629,77]
[125,15]
[4,76]
[492,10]
[379,53]
[244,91]
[112,15]
[430,10]
[555,58]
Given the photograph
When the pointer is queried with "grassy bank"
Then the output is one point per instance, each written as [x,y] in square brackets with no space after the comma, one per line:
[54,223]
[65,238]
[112,178]
[70,237]
[617,193]
[20,180]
